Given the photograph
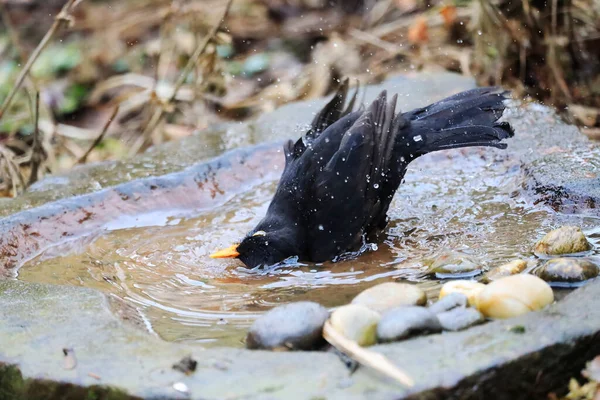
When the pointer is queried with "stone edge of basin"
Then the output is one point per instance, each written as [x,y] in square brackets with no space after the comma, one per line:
[494,360]
[29,232]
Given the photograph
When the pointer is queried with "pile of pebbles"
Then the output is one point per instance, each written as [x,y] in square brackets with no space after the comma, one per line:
[394,311]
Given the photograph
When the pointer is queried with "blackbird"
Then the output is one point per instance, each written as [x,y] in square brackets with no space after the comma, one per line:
[340,177]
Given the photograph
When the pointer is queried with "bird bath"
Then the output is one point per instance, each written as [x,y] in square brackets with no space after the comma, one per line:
[154,255]
[144,241]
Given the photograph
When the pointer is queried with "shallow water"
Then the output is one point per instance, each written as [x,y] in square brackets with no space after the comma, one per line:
[466,200]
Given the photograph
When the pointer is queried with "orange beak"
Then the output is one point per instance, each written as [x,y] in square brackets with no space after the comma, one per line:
[230,252]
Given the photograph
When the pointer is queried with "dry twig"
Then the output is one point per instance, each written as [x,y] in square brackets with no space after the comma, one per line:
[371,359]
[159,113]
[63,17]
[37,149]
[113,115]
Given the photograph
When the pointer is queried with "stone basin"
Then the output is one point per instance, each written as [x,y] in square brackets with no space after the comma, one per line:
[117,358]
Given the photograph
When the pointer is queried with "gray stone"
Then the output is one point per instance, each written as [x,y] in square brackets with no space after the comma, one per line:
[399,323]
[511,268]
[389,295]
[459,318]
[356,322]
[567,270]
[294,326]
[454,264]
[564,240]
[449,302]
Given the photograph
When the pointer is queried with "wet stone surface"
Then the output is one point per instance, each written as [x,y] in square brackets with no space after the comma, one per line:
[459,318]
[564,240]
[469,288]
[452,264]
[512,268]
[513,296]
[389,295]
[294,326]
[449,302]
[567,270]
[399,323]
[356,322]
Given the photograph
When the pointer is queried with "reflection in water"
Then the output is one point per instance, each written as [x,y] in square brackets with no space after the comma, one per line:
[159,262]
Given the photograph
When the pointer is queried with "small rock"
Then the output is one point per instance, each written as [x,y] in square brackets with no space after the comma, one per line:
[469,288]
[564,240]
[389,295]
[568,270]
[454,264]
[459,318]
[449,302]
[70,361]
[356,322]
[402,322]
[513,296]
[296,326]
[508,269]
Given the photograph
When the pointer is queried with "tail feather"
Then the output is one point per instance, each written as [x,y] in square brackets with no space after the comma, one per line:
[466,119]
[481,106]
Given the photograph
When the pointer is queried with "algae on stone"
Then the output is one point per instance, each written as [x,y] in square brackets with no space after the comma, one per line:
[564,240]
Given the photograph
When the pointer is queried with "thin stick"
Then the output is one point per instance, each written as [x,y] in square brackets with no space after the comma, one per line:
[160,111]
[371,359]
[113,115]
[198,52]
[64,16]
[14,37]
[37,148]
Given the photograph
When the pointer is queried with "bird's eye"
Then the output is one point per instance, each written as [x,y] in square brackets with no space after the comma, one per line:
[259,233]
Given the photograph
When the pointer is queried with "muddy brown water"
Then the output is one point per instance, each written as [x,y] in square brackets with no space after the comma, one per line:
[467,200]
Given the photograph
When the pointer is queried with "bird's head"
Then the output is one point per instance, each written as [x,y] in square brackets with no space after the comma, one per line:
[259,248]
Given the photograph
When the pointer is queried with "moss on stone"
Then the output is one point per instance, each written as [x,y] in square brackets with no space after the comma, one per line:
[14,387]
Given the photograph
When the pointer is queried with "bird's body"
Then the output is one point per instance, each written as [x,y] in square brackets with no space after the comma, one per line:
[340,177]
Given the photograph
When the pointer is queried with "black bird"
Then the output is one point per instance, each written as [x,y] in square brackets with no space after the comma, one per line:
[340,177]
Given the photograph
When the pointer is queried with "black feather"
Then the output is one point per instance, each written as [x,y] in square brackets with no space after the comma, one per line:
[341,176]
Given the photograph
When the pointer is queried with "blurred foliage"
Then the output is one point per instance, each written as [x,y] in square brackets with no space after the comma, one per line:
[267,53]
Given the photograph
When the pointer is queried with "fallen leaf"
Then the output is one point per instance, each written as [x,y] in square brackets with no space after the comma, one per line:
[588,116]
[418,33]
[448,13]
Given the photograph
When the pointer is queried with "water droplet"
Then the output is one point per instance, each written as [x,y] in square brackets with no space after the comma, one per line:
[321,227]
[418,138]
[376,186]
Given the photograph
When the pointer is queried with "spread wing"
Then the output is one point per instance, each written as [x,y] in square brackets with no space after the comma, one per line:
[332,112]
[339,193]
[358,183]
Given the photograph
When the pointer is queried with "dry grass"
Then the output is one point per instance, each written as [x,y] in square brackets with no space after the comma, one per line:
[172,67]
